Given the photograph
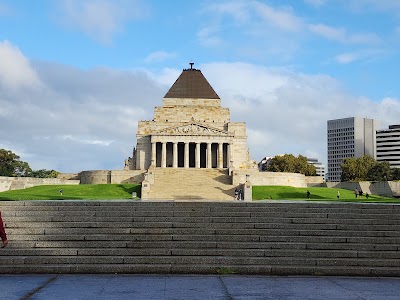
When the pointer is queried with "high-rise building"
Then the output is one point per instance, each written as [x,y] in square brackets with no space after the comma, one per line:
[349,137]
[320,168]
[388,145]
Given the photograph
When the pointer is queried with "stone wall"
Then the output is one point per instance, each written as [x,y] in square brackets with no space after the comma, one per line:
[186,113]
[96,177]
[114,176]
[382,188]
[269,178]
[315,181]
[131,176]
[17,183]
[69,176]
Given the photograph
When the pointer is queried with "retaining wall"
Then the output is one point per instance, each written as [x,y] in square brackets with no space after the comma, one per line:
[114,176]
[269,178]
[17,183]
[382,188]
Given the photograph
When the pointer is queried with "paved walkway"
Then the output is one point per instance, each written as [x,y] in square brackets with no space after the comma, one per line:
[191,287]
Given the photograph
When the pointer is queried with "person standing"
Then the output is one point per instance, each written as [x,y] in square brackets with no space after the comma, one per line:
[338,195]
[356,192]
[3,233]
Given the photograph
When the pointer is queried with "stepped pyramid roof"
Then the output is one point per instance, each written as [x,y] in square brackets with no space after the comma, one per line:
[191,84]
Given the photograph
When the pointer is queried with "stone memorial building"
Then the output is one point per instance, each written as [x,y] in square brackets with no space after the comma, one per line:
[191,150]
[191,130]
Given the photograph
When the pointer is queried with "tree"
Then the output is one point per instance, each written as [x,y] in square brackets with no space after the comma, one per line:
[380,172]
[291,164]
[349,169]
[396,174]
[11,166]
[43,173]
[365,168]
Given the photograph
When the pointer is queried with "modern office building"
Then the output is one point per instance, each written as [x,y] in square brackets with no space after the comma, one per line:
[388,145]
[349,137]
[320,168]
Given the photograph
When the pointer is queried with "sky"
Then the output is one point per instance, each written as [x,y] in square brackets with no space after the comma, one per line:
[76,76]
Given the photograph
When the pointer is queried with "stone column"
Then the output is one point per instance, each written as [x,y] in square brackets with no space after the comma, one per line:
[198,155]
[228,155]
[164,155]
[175,155]
[220,155]
[153,153]
[209,160]
[186,165]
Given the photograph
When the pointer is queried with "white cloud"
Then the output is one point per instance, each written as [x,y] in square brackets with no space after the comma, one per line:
[341,35]
[78,119]
[208,37]
[287,112]
[15,69]
[159,56]
[83,140]
[346,58]
[282,18]
[251,11]
[84,120]
[100,19]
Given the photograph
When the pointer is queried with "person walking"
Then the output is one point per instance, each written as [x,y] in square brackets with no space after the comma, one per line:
[3,233]
[308,194]
[338,195]
[356,192]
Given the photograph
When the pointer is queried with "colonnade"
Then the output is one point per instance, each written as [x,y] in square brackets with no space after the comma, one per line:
[190,154]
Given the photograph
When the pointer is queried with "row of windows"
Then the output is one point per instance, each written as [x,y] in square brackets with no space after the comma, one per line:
[345,129]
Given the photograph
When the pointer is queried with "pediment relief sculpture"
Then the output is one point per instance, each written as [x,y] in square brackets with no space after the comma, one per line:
[191,129]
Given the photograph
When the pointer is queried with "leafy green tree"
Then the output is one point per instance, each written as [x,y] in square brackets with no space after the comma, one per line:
[365,168]
[43,173]
[291,164]
[11,166]
[364,164]
[396,174]
[349,169]
[380,172]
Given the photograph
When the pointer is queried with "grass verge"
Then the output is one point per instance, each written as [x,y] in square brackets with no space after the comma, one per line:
[317,193]
[74,192]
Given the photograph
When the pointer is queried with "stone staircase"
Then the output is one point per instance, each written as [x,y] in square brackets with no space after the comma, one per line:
[167,237]
[272,238]
[191,184]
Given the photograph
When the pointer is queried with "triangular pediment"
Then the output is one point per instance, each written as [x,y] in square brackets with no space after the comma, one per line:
[192,129]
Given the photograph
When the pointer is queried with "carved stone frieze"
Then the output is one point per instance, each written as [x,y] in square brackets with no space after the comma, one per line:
[192,129]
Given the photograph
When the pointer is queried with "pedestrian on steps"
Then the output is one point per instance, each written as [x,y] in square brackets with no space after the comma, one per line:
[3,233]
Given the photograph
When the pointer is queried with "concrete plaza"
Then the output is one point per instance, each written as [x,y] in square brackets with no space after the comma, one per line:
[202,287]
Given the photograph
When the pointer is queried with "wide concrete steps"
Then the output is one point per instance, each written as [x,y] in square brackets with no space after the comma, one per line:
[192,184]
[201,237]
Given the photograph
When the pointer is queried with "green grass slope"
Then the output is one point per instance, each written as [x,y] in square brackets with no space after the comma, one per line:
[317,193]
[74,192]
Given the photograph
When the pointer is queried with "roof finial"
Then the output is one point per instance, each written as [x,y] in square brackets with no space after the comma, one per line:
[191,65]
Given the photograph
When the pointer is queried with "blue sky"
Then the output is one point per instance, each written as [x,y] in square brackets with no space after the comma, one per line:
[77,75]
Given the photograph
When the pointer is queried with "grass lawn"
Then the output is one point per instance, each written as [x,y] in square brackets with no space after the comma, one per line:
[317,193]
[74,192]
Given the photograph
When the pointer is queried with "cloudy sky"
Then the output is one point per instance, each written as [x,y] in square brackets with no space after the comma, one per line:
[77,75]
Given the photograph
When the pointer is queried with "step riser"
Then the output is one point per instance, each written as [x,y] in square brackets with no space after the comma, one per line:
[204,238]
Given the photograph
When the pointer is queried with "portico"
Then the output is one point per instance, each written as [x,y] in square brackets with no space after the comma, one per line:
[181,153]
